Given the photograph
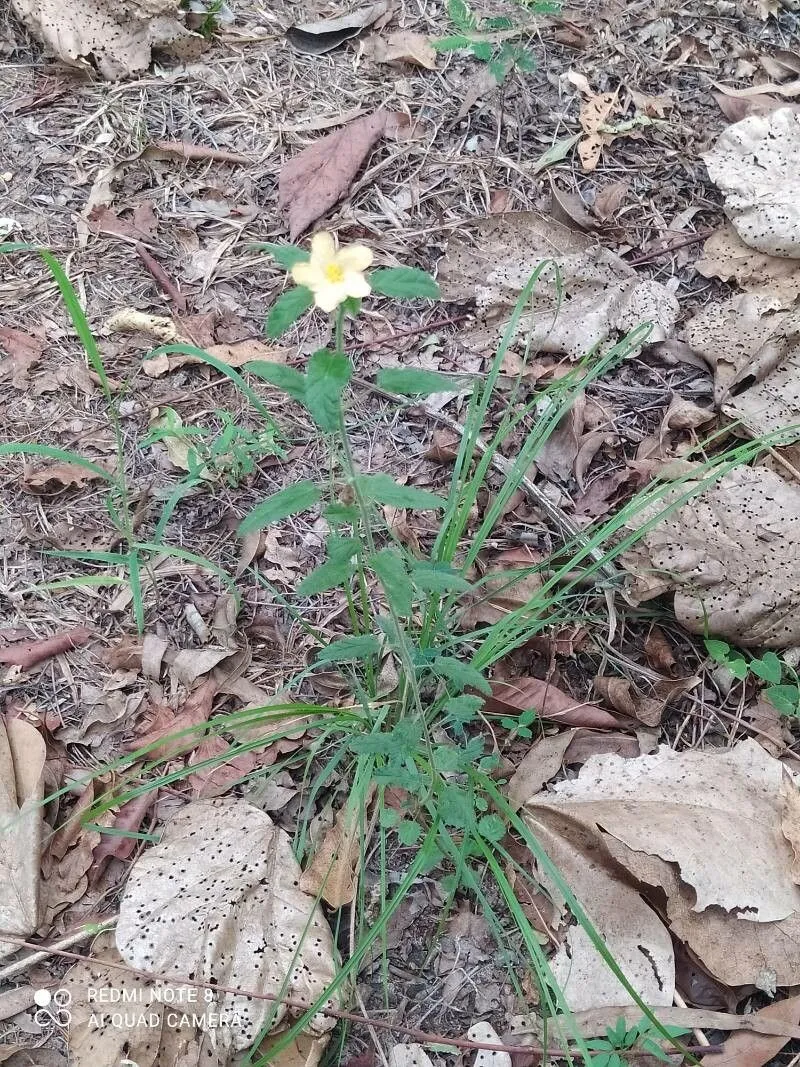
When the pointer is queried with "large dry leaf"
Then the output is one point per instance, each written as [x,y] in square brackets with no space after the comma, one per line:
[316,179]
[754,163]
[754,1050]
[118,35]
[22,757]
[316,38]
[548,701]
[404,46]
[491,260]
[730,556]
[726,256]
[219,898]
[752,341]
[664,820]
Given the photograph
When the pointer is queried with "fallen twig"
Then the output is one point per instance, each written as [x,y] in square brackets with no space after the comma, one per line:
[162,279]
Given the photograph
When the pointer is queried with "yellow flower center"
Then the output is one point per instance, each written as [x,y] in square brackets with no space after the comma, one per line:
[334,273]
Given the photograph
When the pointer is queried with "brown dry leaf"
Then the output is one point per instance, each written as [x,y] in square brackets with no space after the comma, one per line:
[332,873]
[655,107]
[609,200]
[55,477]
[24,350]
[754,1050]
[543,760]
[119,845]
[316,38]
[754,163]
[730,557]
[689,809]
[548,701]
[557,457]
[165,723]
[22,758]
[141,225]
[215,780]
[491,260]
[595,111]
[480,84]
[659,651]
[736,108]
[683,415]
[626,698]
[187,150]
[218,898]
[118,35]
[787,89]
[506,592]
[726,256]
[313,181]
[404,46]
[233,355]
[27,654]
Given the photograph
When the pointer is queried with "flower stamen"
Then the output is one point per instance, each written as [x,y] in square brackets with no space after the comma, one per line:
[334,273]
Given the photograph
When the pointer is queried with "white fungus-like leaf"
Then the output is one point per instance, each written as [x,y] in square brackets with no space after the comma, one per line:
[218,901]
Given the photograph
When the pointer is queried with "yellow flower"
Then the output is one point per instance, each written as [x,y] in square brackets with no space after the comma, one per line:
[333,274]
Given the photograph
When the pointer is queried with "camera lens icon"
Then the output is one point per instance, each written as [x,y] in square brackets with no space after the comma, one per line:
[53,1008]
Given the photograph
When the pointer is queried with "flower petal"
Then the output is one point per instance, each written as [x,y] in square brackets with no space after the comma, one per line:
[330,296]
[323,248]
[309,274]
[354,257]
[356,284]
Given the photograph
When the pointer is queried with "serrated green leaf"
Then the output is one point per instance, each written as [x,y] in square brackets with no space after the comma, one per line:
[482,50]
[438,578]
[492,828]
[461,674]
[461,15]
[390,567]
[406,381]
[385,490]
[408,832]
[287,309]
[342,514]
[456,807]
[769,668]
[284,255]
[280,505]
[289,380]
[358,647]
[337,569]
[451,44]
[389,817]
[464,709]
[404,283]
[328,373]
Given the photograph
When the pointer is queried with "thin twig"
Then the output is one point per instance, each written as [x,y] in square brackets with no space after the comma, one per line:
[162,279]
[565,525]
[45,951]
[648,257]
[413,331]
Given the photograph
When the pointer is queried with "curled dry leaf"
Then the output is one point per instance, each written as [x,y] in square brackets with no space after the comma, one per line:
[492,259]
[622,695]
[166,723]
[118,35]
[754,1050]
[27,654]
[22,758]
[313,181]
[730,557]
[690,809]
[219,898]
[316,38]
[754,163]
[548,701]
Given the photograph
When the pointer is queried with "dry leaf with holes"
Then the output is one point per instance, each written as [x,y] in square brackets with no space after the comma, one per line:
[754,163]
[594,114]
[690,808]
[726,256]
[485,1034]
[492,259]
[117,35]
[729,556]
[22,758]
[311,182]
[404,46]
[219,898]
[409,1055]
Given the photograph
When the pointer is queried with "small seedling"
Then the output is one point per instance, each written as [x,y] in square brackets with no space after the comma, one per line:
[783,689]
[493,41]
[612,1049]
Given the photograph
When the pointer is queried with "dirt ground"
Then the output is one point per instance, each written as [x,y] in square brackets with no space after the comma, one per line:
[73,145]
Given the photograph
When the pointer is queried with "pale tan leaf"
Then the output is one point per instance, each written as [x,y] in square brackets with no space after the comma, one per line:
[730,557]
[332,873]
[726,256]
[24,351]
[219,898]
[404,46]
[754,1050]
[543,760]
[22,757]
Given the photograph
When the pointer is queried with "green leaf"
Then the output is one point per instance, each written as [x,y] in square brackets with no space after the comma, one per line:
[328,374]
[451,44]
[291,381]
[456,807]
[769,668]
[351,306]
[560,150]
[284,255]
[390,567]
[449,759]
[482,50]
[785,698]
[342,514]
[409,832]
[287,502]
[438,578]
[404,283]
[336,571]
[460,674]
[500,22]
[492,828]
[385,490]
[464,709]
[287,309]
[460,14]
[737,665]
[389,817]
[409,382]
[718,650]
[359,647]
